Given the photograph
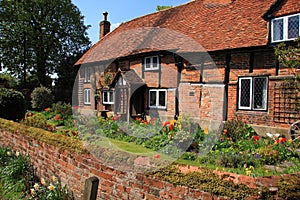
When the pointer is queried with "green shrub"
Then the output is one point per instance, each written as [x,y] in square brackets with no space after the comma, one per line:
[63,109]
[12,104]
[41,98]
[237,130]
[37,120]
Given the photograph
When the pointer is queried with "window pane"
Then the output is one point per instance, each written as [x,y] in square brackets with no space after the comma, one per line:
[260,93]
[155,62]
[245,92]
[111,97]
[148,62]
[162,98]
[152,100]
[293,27]
[105,97]
[278,29]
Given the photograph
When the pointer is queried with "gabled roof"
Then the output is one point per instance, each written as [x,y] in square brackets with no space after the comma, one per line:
[130,76]
[214,24]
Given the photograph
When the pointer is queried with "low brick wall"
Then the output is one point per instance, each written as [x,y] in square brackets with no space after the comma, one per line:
[74,168]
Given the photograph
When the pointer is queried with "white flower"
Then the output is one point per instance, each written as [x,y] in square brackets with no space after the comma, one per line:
[32,192]
[17,154]
[36,186]
[51,187]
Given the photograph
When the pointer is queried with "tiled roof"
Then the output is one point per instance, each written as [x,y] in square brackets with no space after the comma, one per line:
[214,24]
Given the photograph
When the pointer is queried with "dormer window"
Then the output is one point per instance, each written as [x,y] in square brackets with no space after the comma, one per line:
[285,28]
[151,63]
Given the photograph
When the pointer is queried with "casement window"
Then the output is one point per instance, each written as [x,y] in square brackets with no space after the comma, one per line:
[87,96]
[121,81]
[151,63]
[108,97]
[253,93]
[158,98]
[285,28]
[87,74]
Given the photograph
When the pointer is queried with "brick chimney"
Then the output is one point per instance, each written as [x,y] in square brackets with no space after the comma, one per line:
[104,26]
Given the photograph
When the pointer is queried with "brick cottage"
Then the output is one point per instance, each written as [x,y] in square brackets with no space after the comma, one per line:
[211,59]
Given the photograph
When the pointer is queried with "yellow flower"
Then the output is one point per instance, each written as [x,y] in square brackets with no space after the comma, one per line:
[51,187]
[43,182]
[172,122]
[248,172]
[17,154]
[290,140]
[36,186]
[8,153]
[205,131]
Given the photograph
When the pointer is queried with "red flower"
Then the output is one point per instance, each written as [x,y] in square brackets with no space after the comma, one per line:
[171,127]
[156,156]
[47,109]
[283,140]
[166,123]
[255,137]
[254,142]
[224,131]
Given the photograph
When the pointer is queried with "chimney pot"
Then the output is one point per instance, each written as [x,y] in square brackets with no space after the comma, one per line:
[104,26]
[105,16]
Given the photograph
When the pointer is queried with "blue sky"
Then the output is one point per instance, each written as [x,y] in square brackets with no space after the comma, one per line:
[119,11]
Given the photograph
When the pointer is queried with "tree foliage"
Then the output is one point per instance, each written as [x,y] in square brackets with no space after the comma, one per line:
[12,104]
[41,98]
[159,8]
[35,36]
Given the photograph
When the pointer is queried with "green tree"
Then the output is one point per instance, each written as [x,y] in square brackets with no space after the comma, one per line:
[35,36]
[159,8]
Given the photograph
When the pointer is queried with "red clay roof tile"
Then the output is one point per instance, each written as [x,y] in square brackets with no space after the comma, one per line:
[214,24]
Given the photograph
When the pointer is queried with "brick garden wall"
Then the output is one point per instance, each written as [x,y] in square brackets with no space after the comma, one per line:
[75,168]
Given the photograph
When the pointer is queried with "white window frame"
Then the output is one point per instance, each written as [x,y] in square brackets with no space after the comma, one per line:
[87,74]
[151,64]
[285,28]
[121,81]
[157,98]
[252,89]
[109,93]
[87,96]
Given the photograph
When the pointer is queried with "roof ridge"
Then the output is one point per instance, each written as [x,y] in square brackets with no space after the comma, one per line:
[154,13]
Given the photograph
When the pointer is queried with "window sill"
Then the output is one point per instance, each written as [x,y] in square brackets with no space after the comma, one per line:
[252,112]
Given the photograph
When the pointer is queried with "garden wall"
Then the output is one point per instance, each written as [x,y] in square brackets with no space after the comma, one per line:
[73,166]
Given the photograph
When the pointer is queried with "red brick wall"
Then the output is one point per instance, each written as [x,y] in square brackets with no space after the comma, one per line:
[75,168]
[264,64]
